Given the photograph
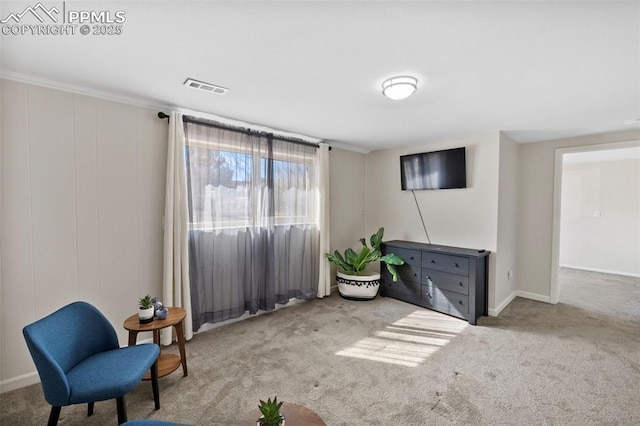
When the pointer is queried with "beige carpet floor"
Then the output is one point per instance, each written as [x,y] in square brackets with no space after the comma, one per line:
[386,362]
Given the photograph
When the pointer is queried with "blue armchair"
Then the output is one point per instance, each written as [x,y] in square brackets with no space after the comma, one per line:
[79,360]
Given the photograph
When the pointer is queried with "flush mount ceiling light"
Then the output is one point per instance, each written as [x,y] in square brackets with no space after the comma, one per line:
[400,87]
[207,87]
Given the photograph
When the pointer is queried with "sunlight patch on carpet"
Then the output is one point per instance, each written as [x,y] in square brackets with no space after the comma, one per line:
[408,341]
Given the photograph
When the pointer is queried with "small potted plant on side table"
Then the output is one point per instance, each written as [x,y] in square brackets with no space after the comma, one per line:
[146,311]
[271,415]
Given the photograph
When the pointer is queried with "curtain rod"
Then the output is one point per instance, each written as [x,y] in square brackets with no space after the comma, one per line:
[191,119]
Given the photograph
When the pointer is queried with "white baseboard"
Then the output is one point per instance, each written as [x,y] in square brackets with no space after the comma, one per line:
[210,326]
[33,377]
[496,311]
[534,296]
[603,271]
[19,382]
[524,294]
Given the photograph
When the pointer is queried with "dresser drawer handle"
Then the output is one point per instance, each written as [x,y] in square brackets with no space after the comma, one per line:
[428,277]
[414,290]
[411,257]
[456,265]
[429,295]
[461,285]
[433,261]
[460,302]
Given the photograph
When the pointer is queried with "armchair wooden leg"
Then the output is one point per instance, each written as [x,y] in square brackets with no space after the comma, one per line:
[122,410]
[54,416]
[90,409]
[154,384]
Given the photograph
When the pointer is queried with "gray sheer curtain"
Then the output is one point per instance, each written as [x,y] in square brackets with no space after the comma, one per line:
[253,219]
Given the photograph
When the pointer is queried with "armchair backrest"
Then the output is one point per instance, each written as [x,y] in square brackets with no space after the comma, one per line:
[61,340]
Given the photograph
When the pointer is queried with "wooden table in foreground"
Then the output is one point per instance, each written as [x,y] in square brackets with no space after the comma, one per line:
[167,363]
[294,415]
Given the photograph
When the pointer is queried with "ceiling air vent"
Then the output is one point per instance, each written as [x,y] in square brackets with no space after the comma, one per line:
[207,87]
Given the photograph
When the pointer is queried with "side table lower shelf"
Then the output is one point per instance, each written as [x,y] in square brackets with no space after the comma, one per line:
[167,363]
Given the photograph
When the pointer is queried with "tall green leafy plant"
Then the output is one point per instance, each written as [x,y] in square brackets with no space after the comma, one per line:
[353,263]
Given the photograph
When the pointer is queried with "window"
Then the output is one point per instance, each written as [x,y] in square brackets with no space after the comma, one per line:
[245,186]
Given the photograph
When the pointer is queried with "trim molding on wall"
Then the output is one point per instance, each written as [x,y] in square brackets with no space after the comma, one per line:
[150,103]
[140,102]
[19,382]
[494,312]
[346,147]
[603,271]
[37,81]
[534,296]
[518,293]
[33,377]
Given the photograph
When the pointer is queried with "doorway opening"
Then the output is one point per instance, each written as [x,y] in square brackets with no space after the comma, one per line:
[596,211]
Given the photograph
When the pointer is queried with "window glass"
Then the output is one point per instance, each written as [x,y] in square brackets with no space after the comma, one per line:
[224,193]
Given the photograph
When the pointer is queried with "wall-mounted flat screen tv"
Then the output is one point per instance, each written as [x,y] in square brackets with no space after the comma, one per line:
[445,169]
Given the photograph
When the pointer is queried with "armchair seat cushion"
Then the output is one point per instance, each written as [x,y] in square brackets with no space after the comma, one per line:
[110,374]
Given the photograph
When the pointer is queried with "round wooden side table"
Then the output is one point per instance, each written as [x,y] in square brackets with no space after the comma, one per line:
[167,363]
[294,415]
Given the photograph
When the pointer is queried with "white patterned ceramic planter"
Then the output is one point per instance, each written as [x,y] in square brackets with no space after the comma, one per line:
[145,315]
[359,287]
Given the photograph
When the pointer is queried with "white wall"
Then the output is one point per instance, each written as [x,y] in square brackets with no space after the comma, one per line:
[454,217]
[82,204]
[535,208]
[347,198]
[506,253]
[82,198]
[82,188]
[600,220]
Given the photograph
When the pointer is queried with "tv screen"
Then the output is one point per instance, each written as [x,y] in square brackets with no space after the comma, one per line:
[434,170]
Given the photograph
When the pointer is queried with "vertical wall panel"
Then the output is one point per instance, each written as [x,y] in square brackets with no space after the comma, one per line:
[84,119]
[117,210]
[151,146]
[17,257]
[82,202]
[53,198]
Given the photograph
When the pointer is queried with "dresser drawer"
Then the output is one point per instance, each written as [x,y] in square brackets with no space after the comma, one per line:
[412,257]
[445,281]
[406,290]
[445,301]
[406,272]
[447,263]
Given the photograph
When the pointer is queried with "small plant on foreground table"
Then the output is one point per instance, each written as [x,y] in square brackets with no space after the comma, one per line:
[271,415]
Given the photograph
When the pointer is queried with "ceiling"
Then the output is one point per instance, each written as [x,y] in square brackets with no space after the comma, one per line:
[534,70]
